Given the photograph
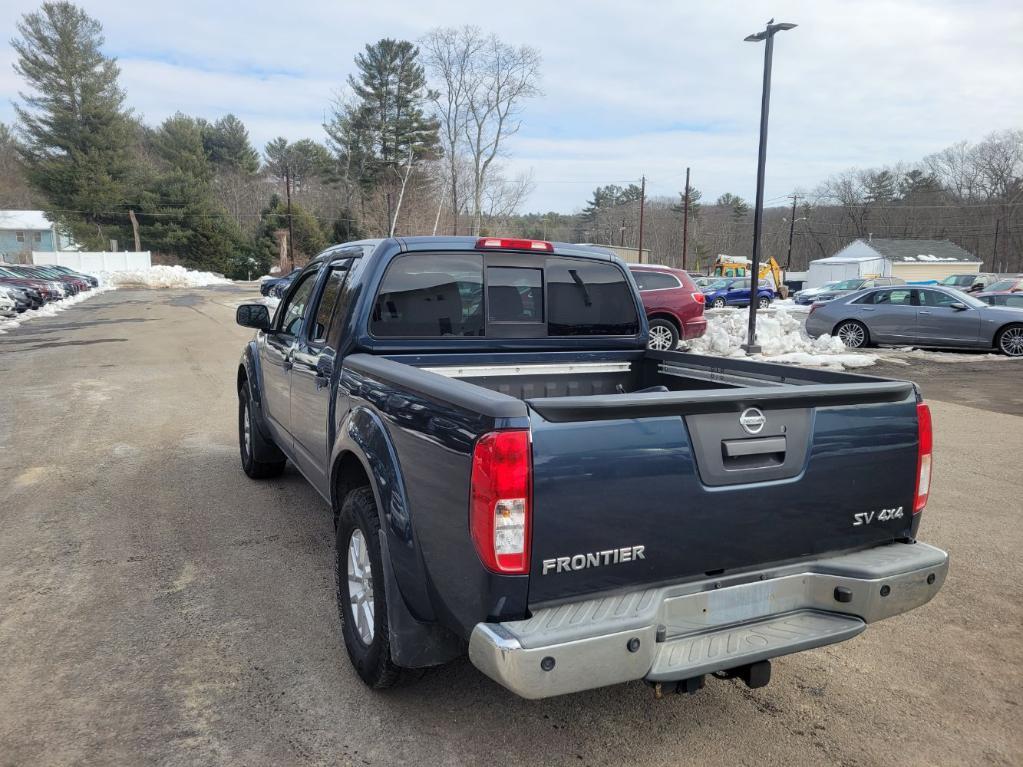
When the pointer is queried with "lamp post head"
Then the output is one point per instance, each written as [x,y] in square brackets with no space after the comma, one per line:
[769,31]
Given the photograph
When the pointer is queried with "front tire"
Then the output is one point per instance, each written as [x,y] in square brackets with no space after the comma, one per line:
[1010,341]
[361,596]
[248,434]
[763,302]
[853,334]
[663,336]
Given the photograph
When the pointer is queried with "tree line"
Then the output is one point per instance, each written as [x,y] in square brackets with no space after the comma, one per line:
[413,144]
[969,193]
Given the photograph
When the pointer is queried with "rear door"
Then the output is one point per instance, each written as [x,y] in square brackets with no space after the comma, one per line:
[890,314]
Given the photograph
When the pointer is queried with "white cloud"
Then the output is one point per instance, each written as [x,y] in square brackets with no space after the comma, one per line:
[630,88]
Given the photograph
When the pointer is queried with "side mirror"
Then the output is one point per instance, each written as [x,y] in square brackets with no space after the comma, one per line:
[324,366]
[253,316]
[959,306]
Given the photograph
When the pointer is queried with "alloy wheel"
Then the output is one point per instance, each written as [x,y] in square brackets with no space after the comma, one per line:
[360,586]
[1011,342]
[247,429]
[852,335]
[660,339]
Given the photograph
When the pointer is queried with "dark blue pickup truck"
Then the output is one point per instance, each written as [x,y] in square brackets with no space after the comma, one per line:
[513,474]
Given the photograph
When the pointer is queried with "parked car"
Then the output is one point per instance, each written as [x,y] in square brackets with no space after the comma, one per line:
[278,286]
[969,283]
[846,287]
[8,306]
[921,316]
[673,305]
[48,289]
[93,281]
[1006,285]
[735,291]
[72,285]
[24,297]
[1003,298]
[501,452]
[809,295]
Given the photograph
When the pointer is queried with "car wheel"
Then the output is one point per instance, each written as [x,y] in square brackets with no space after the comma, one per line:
[719,303]
[853,334]
[663,336]
[361,596]
[763,302]
[1010,341]
[248,435]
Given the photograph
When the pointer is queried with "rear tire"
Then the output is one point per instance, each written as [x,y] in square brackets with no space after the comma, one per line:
[248,434]
[664,336]
[361,596]
[853,334]
[1010,341]
[719,303]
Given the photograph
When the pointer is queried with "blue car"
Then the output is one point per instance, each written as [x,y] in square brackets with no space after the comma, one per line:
[735,291]
[278,286]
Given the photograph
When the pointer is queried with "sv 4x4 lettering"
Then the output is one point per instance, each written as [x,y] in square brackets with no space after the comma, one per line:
[866,517]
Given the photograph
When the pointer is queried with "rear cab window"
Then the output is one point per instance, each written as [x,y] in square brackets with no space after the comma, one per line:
[502,295]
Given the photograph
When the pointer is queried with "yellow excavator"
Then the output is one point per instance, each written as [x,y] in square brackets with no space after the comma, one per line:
[736,266]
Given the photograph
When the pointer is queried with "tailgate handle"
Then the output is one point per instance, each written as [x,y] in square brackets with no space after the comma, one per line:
[753,453]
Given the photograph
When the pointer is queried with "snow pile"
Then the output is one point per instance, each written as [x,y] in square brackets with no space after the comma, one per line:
[51,309]
[781,336]
[162,277]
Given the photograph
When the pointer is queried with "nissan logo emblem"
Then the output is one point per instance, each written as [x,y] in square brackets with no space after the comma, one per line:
[752,420]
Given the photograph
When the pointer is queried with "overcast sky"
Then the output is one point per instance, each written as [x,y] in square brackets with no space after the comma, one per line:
[629,88]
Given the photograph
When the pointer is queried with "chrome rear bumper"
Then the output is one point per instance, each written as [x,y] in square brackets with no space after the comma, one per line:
[681,631]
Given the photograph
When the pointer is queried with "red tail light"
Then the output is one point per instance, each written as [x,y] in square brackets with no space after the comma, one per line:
[699,298]
[923,461]
[506,244]
[500,501]
[814,307]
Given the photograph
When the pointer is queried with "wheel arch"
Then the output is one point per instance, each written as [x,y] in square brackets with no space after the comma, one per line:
[666,317]
[1001,329]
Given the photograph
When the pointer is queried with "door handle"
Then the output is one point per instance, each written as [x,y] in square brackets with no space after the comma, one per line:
[289,359]
[922,311]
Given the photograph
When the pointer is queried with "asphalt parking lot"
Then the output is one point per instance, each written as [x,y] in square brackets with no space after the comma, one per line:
[160,608]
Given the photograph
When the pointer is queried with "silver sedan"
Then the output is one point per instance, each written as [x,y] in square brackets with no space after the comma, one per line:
[921,316]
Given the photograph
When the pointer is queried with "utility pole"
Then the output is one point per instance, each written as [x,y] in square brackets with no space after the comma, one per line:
[994,247]
[685,223]
[792,230]
[751,346]
[135,230]
[642,205]
[291,228]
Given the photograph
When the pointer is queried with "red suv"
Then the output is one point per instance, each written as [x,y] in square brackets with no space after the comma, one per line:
[673,303]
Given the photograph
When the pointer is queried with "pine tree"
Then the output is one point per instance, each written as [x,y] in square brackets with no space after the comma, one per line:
[76,130]
[740,208]
[227,145]
[387,121]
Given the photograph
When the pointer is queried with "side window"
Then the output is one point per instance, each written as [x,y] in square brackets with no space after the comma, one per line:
[328,300]
[640,278]
[896,297]
[660,281]
[877,297]
[293,312]
[514,294]
[588,298]
[936,298]
[1016,301]
[430,297]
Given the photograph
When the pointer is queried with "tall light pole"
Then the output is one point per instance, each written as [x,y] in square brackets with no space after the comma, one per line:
[751,346]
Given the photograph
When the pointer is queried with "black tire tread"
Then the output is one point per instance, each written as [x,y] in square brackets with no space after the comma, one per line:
[374,665]
[254,469]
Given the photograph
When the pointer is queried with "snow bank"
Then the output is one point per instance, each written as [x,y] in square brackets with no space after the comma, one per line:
[781,336]
[50,309]
[162,277]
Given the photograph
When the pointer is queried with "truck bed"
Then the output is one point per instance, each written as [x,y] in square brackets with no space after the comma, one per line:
[646,449]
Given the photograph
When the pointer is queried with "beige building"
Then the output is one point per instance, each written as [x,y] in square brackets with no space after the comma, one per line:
[911,260]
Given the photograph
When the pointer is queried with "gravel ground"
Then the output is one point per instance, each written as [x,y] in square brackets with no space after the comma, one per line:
[160,608]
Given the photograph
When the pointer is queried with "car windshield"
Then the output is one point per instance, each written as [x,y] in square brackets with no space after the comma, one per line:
[1002,285]
[959,280]
[969,300]
[848,285]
